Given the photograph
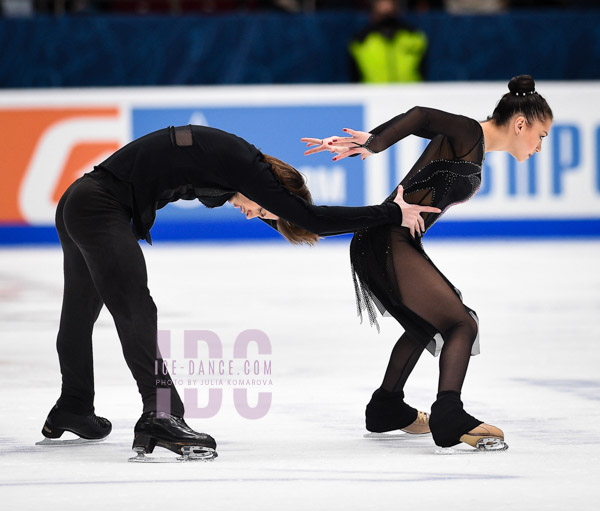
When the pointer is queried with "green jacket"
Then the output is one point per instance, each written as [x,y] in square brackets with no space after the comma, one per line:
[381,59]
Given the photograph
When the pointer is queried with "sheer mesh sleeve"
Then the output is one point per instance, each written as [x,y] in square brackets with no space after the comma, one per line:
[461,132]
[261,186]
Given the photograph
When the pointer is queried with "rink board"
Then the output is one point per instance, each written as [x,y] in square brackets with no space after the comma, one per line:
[51,137]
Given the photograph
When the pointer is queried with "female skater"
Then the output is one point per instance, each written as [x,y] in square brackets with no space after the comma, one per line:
[99,220]
[392,270]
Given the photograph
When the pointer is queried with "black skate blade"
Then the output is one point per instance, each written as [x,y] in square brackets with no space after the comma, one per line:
[70,441]
[190,453]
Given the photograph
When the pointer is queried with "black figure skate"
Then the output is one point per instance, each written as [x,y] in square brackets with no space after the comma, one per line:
[170,432]
[89,428]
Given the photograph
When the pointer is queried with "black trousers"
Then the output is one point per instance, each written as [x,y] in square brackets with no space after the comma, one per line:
[104,265]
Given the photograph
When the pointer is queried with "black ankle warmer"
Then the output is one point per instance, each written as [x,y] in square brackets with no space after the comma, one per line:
[449,421]
[387,411]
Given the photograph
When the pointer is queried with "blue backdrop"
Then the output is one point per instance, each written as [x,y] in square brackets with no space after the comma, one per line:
[281,48]
[276,131]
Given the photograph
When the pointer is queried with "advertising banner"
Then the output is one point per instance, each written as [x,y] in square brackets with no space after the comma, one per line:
[51,137]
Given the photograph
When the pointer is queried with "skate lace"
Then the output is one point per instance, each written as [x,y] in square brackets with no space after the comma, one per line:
[422,418]
[99,421]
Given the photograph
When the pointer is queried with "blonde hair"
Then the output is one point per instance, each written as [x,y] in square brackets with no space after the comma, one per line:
[295,183]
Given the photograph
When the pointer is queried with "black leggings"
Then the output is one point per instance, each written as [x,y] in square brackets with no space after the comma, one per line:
[104,264]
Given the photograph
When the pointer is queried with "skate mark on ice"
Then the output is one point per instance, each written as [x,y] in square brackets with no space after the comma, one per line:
[375,477]
[552,431]
[588,389]
[48,442]
[395,435]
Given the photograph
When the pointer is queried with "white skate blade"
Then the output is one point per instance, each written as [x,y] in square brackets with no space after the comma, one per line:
[71,441]
[190,453]
[484,445]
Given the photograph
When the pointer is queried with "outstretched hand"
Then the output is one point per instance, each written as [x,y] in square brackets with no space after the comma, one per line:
[411,213]
[342,146]
[320,144]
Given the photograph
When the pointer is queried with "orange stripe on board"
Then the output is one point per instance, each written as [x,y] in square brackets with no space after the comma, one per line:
[20,132]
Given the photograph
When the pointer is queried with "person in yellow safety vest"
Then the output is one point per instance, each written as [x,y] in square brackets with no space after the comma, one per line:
[388,49]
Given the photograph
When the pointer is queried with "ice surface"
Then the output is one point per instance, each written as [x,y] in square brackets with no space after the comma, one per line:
[537,378]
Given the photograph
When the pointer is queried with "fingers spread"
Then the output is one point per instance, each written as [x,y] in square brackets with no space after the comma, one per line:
[341,141]
[349,152]
[315,150]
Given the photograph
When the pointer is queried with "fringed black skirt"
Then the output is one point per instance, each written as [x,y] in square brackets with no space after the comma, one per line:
[393,275]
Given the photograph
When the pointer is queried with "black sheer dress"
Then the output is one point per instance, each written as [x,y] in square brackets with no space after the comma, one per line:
[391,269]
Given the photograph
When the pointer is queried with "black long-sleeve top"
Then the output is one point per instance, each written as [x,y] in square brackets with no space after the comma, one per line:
[449,170]
[197,162]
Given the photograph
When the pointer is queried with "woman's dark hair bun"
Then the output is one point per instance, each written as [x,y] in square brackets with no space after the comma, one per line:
[522,99]
[522,84]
